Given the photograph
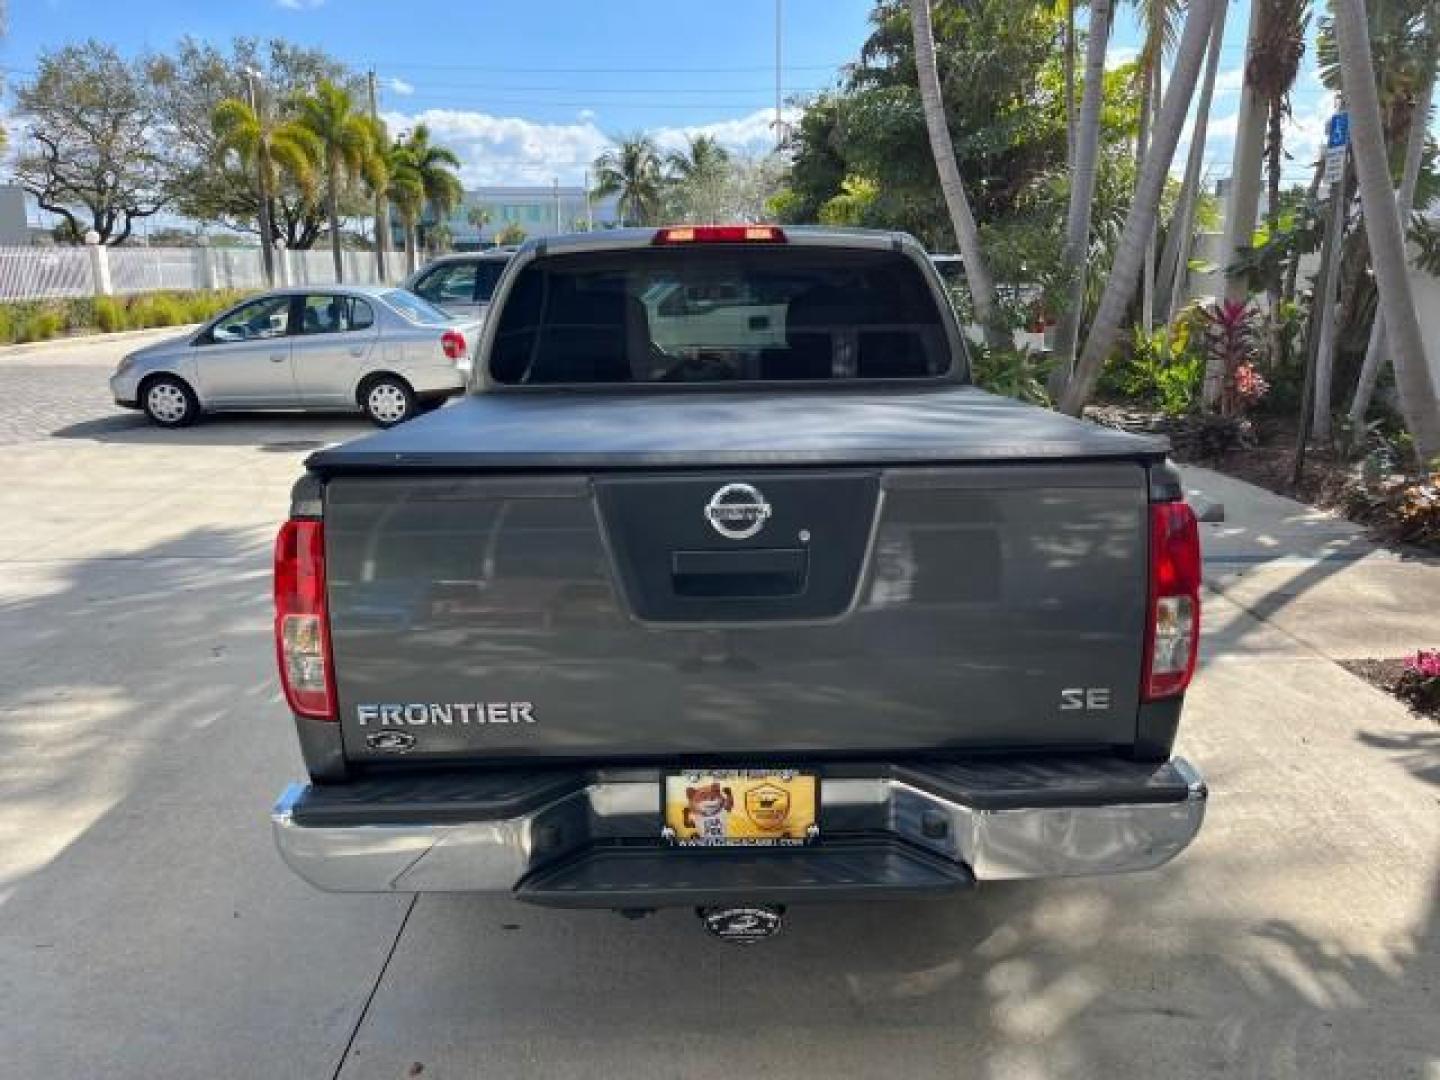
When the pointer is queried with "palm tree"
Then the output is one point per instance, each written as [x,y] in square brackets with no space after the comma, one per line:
[1175,259]
[1404,203]
[1413,384]
[1130,253]
[1159,19]
[631,171]
[478,217]
[406,192]
[1083,175]
[435,166]
[702,159]
[967,234]
[351,144]
[271,147]
[1271,68]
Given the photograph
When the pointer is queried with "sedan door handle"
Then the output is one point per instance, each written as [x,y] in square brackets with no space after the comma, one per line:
[279,357]
[359,350]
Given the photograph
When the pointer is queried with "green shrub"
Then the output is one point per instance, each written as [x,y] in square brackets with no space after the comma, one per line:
[110,314]
[1016,373]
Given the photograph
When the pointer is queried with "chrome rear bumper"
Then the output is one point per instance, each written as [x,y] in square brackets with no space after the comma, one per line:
[1045,840]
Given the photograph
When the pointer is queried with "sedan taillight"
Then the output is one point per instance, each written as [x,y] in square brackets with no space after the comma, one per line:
[1172,631]
[452,343]
[302,631]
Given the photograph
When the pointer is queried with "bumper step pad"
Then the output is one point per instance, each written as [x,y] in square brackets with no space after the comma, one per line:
[858,869]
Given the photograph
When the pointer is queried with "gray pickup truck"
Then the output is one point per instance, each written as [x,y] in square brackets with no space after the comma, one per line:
[770,607]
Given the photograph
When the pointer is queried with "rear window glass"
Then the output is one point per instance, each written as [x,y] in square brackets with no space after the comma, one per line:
[719,314]
[415,309]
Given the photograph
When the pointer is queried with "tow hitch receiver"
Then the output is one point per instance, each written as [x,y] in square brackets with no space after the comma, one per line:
[742,925]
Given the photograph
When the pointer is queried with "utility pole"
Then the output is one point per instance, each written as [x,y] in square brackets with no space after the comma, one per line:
[382,209]
[555,186]
[779,131]
[262,167]
[589,209]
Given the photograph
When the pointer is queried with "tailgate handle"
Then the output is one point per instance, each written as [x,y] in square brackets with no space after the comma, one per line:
[748,574]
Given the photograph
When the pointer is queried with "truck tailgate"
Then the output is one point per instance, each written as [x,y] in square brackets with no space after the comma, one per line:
[617,614]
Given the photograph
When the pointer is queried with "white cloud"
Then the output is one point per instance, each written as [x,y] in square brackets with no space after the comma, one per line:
[1120,55]
[498,150]
[400,86]
[299,5]
[585,115]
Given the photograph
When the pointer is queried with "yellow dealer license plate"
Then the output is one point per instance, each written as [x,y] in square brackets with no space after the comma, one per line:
[741,808]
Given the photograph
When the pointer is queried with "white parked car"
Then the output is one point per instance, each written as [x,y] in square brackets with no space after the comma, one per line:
[461,284]
[376,350]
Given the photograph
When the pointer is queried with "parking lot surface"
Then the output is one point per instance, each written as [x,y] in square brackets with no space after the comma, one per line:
[150,931]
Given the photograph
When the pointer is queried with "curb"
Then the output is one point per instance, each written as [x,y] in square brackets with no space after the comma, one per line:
[29,347]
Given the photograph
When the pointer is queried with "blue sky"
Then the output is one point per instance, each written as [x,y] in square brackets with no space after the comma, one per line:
[530,91]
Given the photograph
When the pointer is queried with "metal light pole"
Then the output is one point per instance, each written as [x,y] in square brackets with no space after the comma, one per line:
[555,186]
[382,208]
[262,167]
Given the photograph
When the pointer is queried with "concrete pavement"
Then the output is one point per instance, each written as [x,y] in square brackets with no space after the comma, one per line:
[149,930]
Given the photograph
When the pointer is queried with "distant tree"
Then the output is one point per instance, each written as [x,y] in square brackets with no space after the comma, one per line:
[510,235]
[92,151]
[477,217]
[351,144]
[631,171]
[697,179]
[215,187]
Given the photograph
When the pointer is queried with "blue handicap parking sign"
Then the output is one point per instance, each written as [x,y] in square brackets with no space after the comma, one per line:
[1339,130]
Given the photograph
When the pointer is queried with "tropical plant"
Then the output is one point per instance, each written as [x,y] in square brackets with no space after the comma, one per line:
[406,192]
[631,171]
[1012,372]
[1231,337]
[272,148]
[352,148]
[1130,251]
[1415,389]
[962,218]
[435,166]
[1159,19]
[702,158]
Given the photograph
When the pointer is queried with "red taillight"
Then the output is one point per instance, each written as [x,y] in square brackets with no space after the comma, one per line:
[452,343]
[1172,631]
[302,631]
[721,234]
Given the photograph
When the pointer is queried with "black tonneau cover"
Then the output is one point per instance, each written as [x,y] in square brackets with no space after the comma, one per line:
[703,428]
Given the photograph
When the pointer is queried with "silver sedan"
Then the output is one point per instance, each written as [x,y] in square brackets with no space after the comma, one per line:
[380,351]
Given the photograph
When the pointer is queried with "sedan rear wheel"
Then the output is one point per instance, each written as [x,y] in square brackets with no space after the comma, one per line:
[167,401]
[388,401]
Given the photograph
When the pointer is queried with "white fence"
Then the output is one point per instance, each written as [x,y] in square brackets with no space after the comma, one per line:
[53,273]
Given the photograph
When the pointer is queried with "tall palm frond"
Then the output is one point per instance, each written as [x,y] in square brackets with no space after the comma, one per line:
[631,171]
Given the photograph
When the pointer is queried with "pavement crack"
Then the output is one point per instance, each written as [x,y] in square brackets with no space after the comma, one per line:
[374,988]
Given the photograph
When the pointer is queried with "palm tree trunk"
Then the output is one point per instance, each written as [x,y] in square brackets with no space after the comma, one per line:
[1082,196]
[1175,260]
[267,225]
[1404,203]
[1416,390]
[1244,201]
[1070,82]
[977,274]
[1147,272]
[1120,289]
[332,198]
[1292,270]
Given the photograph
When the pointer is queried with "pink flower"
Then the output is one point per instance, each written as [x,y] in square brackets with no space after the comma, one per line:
[1250,385]
[1425,663]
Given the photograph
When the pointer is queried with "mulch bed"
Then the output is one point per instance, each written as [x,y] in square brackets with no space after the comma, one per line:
[1391,676]
[1262,452]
